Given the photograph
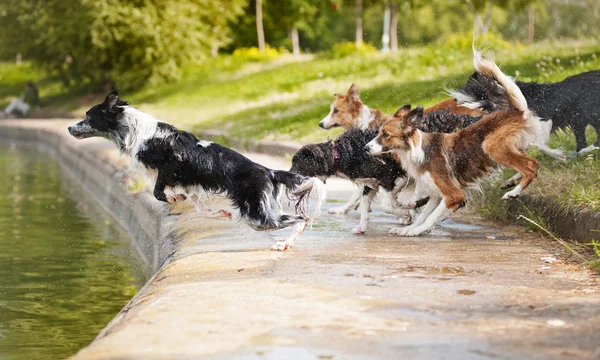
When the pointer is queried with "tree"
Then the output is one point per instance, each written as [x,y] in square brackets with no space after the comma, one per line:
[393,26]
[359,27]
[481,26]
[259,26]
[295,16]
[126,42]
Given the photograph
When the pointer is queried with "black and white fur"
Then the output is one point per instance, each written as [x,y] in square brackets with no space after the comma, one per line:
[348,158]
[180,163]
[572,103]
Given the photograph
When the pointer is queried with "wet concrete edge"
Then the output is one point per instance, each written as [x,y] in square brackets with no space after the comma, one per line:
[577,224]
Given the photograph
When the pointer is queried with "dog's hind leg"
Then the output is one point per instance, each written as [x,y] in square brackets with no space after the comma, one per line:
[390,205]
[511,182]
[542,143]
[589,149]
[365,204]
[289,242]
[506,155]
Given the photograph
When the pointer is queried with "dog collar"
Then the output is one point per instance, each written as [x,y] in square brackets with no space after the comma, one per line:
[336,157]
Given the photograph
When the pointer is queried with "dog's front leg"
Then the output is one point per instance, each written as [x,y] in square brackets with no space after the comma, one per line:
[440,213]
[365,204]
[432,204]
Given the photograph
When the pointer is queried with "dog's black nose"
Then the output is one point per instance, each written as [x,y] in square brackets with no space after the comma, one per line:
[321,125]
[70,130]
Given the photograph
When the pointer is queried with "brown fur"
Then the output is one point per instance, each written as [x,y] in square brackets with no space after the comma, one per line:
[459,159]
[379,119]
[455,108]
[347,108]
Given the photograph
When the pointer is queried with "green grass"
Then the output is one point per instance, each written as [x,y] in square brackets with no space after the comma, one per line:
[285,98]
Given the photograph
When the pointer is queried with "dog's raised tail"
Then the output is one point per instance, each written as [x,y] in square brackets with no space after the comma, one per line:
[487,67]
[302,189]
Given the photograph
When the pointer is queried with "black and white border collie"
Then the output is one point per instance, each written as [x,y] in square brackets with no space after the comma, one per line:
[180,163]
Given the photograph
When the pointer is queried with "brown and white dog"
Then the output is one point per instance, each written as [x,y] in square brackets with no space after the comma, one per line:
[444,165]
[348,111]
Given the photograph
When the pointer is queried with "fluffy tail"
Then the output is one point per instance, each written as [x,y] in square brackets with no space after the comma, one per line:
[488,68]
[481,92]
[302,189]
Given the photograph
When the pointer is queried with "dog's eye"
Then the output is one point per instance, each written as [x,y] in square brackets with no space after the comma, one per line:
[386,135]
[335,110]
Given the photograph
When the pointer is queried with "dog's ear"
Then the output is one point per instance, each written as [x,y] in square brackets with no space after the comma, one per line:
[353,92]
[402,112]
[112,98]
[416,116]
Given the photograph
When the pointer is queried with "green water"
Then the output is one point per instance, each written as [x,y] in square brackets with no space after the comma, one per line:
[65,268]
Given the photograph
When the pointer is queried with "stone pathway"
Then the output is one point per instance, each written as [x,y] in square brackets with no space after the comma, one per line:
[468,290]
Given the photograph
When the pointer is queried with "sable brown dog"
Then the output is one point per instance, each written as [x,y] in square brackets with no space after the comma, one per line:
[444,165]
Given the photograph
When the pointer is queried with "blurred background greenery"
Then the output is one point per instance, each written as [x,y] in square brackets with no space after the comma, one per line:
[92,44]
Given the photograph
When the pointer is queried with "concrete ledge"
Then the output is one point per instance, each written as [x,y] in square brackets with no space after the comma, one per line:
[465,291]
[577,224]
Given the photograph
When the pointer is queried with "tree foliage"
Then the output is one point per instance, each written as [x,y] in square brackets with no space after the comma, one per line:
[128,42]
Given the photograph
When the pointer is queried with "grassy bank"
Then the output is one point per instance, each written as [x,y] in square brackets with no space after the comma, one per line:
[285,98]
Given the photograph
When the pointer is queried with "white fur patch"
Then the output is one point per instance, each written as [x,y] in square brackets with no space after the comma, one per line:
[364,117]
[416,150]
[204,143]
[374,146]
[587,150]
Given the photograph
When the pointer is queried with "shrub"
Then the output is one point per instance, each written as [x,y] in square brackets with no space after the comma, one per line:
[254,55]
[348,48]
[463,41]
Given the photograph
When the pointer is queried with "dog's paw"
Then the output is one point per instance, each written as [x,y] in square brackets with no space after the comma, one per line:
[398,231]
[338,210]
[281,246]
[359,230]
[409,206]
[404,220]
[514,193]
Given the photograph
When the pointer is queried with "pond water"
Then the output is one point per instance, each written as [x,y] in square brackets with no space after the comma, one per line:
[66,269]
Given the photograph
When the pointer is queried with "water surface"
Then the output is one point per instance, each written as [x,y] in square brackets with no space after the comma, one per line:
[66,269]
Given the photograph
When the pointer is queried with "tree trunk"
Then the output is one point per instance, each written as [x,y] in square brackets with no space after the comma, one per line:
[394,27]
[478,23]
[359,28]
[531,33]
[295,41]
[259,26]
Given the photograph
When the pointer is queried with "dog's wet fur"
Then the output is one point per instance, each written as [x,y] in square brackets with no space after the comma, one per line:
[177,160]
[572,102]
[444,165]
